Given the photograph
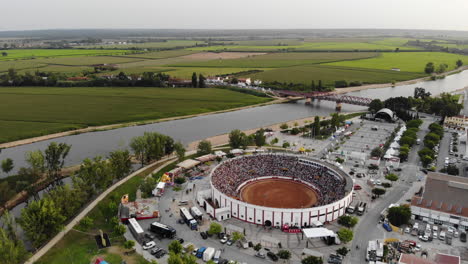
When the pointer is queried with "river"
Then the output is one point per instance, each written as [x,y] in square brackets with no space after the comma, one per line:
[93,144]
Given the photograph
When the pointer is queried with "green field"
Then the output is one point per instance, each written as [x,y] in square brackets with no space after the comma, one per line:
[86,60]
[18,54]
[148,45]
[406,61]
[160,54]
[33,111]
[278,60]
[381,44]
[329,74]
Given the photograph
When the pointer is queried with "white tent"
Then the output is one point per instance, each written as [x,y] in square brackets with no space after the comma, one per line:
[236,151]
[220,153]
[188,164]
[317,232]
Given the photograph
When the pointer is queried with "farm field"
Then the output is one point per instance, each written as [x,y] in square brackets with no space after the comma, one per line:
[406,61]
[329,74]
[385,44]
[154,45]
[66,107]
[15,130]
[19,65]
[16,54]
[159,54]
[277,60]
[86,61]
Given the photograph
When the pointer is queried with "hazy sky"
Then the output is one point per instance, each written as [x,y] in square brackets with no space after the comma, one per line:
[235,14]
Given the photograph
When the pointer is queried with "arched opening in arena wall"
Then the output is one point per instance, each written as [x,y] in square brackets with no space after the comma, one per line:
[267,223]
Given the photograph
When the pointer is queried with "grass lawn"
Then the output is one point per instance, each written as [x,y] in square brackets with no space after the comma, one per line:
[277,60]
[329,74]
[71,107]
[15,54]
[406,61]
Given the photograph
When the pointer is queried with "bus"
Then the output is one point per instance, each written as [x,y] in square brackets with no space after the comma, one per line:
[196,213]
[136,229]
[162,230]
[187,217]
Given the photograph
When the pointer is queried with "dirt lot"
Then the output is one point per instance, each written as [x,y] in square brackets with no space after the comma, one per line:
[279,194]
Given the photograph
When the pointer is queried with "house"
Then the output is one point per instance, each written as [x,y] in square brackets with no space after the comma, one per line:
[444,201]
[456,122]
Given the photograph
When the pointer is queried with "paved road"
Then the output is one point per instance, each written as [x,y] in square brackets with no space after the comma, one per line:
[86,210]
[368,227]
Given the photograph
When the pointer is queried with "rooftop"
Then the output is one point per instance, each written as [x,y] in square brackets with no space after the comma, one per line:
[445,193]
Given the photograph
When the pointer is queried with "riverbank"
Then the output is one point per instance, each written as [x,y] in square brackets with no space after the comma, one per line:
[384,85]
[129,124]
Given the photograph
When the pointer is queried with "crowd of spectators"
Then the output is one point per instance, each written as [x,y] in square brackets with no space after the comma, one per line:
[328,185]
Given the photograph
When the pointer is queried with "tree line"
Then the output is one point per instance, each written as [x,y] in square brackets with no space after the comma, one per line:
[444,105]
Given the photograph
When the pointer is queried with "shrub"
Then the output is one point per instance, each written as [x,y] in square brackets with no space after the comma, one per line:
[129,244]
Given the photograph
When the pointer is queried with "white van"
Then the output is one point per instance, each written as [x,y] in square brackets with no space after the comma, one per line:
[217,255]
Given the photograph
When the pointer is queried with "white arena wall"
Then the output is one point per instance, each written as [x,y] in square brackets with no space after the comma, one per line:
[278,216]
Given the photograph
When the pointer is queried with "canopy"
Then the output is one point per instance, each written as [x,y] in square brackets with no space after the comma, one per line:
[237,151]
[160,185]
[188,164]
[310,252]
[317,232]
[206,158]
[220,153]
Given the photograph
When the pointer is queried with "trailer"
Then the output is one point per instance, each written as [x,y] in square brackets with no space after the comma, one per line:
[162,230]
[188,219]
[136,229]
[208,254]
[196,213]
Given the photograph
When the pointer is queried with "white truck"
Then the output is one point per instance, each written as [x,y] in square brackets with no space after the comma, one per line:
[208,254]
[352,207]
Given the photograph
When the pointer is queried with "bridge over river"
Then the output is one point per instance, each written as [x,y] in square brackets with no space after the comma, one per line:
[328,96]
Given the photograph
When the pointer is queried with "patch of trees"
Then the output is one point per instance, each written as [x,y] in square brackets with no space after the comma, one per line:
[319,86]
[399,215]
[348,220]
[151,146]
[427,154]
[238,139]
[409,137]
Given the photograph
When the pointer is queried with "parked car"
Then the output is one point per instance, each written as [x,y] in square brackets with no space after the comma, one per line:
[223,240]
[260,255]
[463,236]
[378,182]
[160,253]
[407,230]
[230,242]
[150,236]
[272,256]
[155,250]
[357,187]
[204,235]
[149,245]
[360,175]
